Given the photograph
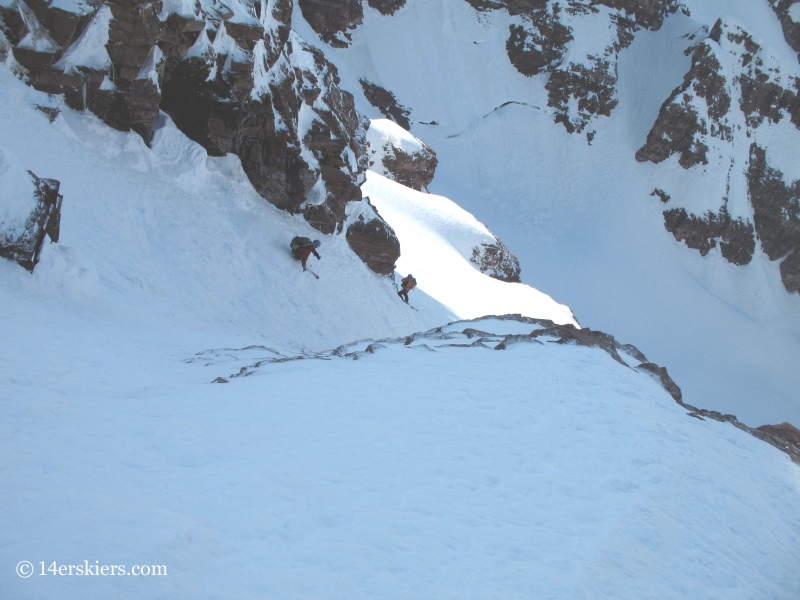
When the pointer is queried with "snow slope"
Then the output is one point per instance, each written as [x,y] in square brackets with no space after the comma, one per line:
[580,217]
[168,232]
[436,238]
[419,471]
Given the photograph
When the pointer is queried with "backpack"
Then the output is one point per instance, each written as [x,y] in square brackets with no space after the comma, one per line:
[300,242]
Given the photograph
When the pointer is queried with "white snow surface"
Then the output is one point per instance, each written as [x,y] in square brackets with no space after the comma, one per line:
[17,195]
[794,12]
[580,217]
[89,50]
[436,239]
[421,471]
[383,131]
[183,8]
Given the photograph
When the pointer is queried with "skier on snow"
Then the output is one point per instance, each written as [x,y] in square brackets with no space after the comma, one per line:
[302,248]
[409,283]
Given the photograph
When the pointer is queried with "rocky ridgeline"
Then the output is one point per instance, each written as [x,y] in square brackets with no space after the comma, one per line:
[541,36]
[478,333]
[233,77]
[734,91]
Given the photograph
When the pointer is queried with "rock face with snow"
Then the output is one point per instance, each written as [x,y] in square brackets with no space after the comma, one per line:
[30,210]
[385,101]
[495,260]
[333,19]
[789,15]
[547,36]
[734,91]
[233,77]
[400,156]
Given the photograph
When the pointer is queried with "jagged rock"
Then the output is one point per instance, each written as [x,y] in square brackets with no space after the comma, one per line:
[386,7]
[31,210]
[763,94]
[701,233]
[178,34]
[664,196]
[533,50]
[786,431]
[678,124]
[594,88]
[495,260]
[386,102]
[584,87]
[776,213]
[333,19]
[398,155]
[666,381]
[372,238]
[785,437]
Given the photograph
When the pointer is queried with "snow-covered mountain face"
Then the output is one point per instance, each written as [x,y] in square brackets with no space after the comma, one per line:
[635,135]
[233,77]
[582,134]
[562,126]
[176,391]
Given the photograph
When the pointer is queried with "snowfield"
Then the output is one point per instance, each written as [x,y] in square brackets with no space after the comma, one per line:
[419,471]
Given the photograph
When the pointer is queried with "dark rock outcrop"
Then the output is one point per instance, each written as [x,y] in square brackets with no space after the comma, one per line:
[679,127]
[373,240]
[23,247]
[233,81]
[386,7]
[786,435]
[386,102]
[716,103]
[495,260]
[790,271]
[415,170]
[737,240]
[776,213]
[400,156]
[333,19]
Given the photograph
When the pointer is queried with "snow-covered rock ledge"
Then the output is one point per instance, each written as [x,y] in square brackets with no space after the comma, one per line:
[497,333]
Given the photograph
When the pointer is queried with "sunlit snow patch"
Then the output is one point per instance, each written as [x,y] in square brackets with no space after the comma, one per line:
[436,239]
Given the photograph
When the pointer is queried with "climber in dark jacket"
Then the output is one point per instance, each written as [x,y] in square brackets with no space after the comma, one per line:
[302,248]
[408,283]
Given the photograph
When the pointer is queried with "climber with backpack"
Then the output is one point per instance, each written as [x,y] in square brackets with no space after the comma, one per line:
[303,247]
[408,283]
